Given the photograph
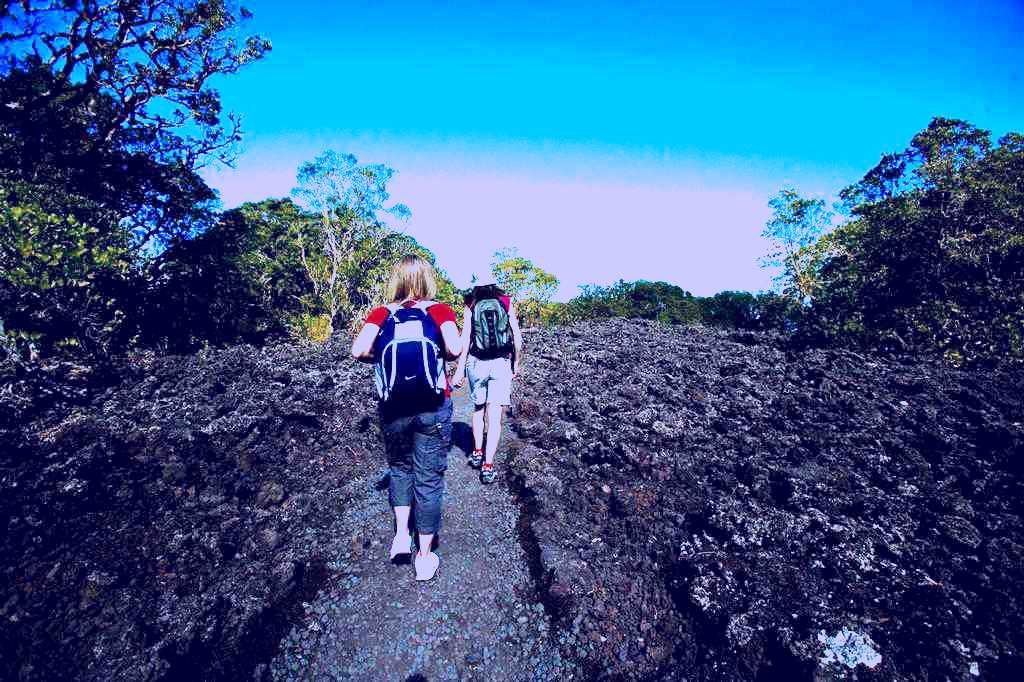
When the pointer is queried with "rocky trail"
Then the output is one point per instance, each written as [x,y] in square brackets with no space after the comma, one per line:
[672,503]
[479,618]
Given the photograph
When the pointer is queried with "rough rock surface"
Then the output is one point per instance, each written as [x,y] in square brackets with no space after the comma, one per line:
[171,528]
[693,505]
[710,506]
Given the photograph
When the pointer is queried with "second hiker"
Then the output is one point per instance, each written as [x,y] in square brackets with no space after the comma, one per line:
[491,351]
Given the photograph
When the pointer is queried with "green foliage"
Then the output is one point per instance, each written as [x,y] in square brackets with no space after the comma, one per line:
[110,234]
[107,115]
[351,254]
[152,60]
[933,253]
[59,279]
[555,313]
[49,156]
[241,280]
[670,304]
[447,292]
[112,103]
[310,328]
[43,251]
[335,182]
[375,259]
[756,312]
[646,300]
[528,285]
[778,313]
[247,279]
[796,223]
[733,309]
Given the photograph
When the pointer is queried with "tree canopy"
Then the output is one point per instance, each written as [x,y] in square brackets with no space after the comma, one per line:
[933,253]
[108,109]
[530,286]
[110,237]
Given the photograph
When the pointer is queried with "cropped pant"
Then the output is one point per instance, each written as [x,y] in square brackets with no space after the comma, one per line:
[417,450]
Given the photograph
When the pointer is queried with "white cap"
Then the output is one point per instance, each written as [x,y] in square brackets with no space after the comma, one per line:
[482,278]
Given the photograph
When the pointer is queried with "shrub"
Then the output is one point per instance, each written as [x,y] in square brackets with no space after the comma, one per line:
[62,281]
[310,328]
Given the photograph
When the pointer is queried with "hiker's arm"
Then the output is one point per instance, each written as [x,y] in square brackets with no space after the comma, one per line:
[460,369]
[362,345]
[452,342]
[517,338]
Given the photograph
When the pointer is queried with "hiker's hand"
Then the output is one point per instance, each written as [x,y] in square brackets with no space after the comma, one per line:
[458,379]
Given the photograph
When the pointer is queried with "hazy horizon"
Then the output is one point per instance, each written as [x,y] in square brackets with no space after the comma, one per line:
[608,142]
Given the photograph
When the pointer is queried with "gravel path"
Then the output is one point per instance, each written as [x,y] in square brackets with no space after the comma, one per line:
[479,618]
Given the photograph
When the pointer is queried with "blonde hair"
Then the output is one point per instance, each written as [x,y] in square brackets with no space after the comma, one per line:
[412,277]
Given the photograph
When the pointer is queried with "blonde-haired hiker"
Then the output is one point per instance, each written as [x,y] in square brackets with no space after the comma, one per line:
[491,351]
[409,340]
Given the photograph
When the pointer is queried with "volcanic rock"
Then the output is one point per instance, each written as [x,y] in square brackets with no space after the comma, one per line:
[171,528]
[746,506]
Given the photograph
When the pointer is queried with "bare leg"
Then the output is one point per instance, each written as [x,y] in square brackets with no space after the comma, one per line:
[402,520]
[478,427]
[494,413]
[426,540]
[402,543]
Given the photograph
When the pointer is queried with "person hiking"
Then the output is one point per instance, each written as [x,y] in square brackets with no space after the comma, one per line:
[491,352]
[408,341]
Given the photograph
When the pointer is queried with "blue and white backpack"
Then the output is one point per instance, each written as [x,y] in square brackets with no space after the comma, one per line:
[409,366]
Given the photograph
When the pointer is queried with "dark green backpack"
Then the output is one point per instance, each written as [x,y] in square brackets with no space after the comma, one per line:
[492,333]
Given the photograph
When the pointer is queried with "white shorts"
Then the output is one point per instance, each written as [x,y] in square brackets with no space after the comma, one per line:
[490,381]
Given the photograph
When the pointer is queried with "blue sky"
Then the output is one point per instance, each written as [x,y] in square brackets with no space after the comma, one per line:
[612,140]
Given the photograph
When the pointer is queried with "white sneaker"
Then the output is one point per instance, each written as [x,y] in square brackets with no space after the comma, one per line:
[426,566]
[402,544]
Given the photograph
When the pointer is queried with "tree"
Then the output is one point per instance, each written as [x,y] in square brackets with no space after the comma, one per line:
[111,103]
[376,261]
[796,223]
[351,200]
[107,115]
[530,286]
[765,311]
[149,61]
[664,302]
[659,301]
[241,280]
[933,257]
[730,309]
[245,279]
[596,302]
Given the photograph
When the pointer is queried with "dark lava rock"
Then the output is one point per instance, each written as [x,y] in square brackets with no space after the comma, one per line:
[724,508]
[270,494]
[697,505]
[170,528]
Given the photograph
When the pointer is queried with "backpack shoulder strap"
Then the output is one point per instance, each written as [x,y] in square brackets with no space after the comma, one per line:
[392,309]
